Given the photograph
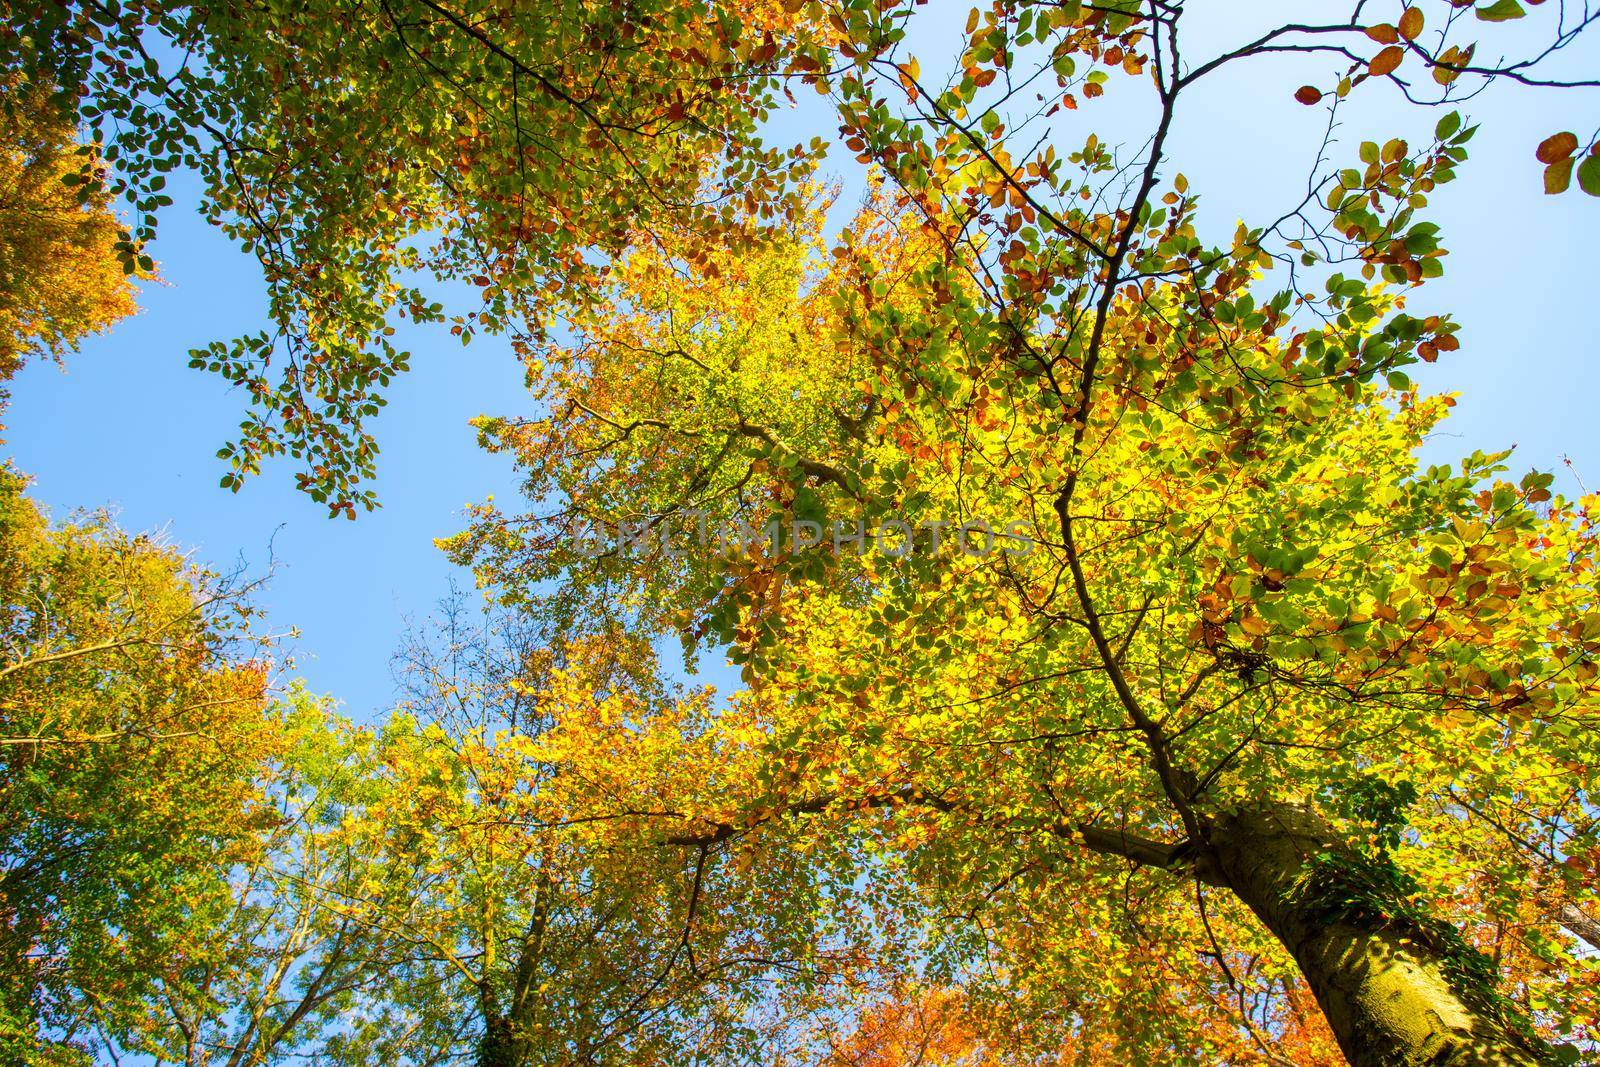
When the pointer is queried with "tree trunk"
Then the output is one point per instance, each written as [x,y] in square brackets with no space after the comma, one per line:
[1393,989]
[499,1047]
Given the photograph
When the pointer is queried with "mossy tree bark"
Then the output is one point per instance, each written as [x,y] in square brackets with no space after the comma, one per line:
[499,1046]
[1393,994]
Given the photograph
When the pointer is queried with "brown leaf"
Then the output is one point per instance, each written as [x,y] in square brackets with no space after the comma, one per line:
[1556,147]
[1308,94]
[1411,23]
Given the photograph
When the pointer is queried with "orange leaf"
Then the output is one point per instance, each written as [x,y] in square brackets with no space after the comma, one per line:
[1383,33]
[1308,94]
[1555,148]
[1386,61]
[1411,23]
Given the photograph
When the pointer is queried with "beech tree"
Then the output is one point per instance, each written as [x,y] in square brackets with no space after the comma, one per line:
[1325,683]
[1232,661]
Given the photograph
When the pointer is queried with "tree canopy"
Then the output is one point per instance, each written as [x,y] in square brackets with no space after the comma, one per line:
[1119,685]
[1243,611]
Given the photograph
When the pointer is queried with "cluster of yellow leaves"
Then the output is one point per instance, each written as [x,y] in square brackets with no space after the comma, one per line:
[133,730]
[60,277]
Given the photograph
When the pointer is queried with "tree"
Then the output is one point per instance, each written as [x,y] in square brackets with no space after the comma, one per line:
[1239,667]
[525,773]
[915,1028]
[1304,663]
[941,1027]
[280,969]
[355,152]
[132,724]
[426,893]
[59,279]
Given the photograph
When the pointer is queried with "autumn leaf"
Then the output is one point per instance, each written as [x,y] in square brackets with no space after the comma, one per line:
[1386,61]
[1558,176]
[1555,148]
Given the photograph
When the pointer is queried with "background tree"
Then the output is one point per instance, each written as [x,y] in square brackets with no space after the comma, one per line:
[59,277]
[557,937]
[917,1028]
[426,892]
[282,969]
[132,725]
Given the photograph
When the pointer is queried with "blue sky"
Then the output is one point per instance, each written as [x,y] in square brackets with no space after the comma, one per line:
[128,425]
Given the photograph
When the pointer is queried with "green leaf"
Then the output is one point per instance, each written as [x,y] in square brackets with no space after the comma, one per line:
[1589,175]
[1448,126]
[1501,11]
